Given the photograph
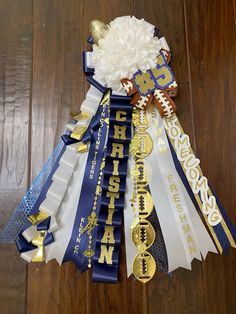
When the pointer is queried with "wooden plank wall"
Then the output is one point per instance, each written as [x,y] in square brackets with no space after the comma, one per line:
[41,81]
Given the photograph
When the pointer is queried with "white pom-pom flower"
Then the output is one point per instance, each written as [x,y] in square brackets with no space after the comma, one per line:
[129,46]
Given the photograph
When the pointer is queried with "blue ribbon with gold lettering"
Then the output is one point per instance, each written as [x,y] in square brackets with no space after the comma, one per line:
[108,239]
[78,240]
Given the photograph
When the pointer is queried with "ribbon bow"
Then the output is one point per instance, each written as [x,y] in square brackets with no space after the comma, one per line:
[81,133]
[157,85]
[35,237]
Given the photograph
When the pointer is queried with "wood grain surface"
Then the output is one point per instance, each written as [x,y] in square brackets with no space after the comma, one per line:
[41,81]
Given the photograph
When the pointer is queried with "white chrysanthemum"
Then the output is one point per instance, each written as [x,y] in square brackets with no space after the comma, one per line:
[128,47]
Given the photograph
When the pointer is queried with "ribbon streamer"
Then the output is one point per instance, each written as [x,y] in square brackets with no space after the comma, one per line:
[66,214]
[11,231]
[106,258]
[178,229]
[78,240]
[223,234]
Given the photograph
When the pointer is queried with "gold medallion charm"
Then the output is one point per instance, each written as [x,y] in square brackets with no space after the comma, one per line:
[142,231]
[92,223]
[144,267]
[139,119]
[89,253]
[141,145]
[145,203]
[138,173]
[143,235]
[142,174]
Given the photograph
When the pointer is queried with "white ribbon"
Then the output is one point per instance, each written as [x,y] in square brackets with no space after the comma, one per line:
[131,250]
[66,213]
[182,243]
[92,100]
[28,256]
[30,233]
[203,238]
[164,44]
[58,198]
[176,250]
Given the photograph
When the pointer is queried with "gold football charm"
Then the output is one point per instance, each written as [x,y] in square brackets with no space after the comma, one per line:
[141,145]
[143,235]
[139,119]
[144,267]
[145,203]
[142,176]
[89,253]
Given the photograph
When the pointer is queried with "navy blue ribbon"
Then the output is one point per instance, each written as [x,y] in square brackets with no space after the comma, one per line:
[48,239]
[104,272]
[78,242]
[44,225]
[96,84]
[68,140]
[158,249]
[23,245]
[90,40]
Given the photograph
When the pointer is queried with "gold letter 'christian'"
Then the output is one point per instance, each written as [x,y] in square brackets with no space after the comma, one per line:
[121,116]
[108,236]
[114,185]
[119,132]
[110,216]
[112,196]
[116,167]
[117,149]
[106,254]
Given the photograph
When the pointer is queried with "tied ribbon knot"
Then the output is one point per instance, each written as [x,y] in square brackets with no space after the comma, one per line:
[81,134]
[41,238]
[156,85]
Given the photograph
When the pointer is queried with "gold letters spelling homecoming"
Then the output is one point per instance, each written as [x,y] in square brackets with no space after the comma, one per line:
[124,163]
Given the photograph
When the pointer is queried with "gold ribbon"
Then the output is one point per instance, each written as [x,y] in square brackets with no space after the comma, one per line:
[79,130]
[39,238]
[39,256]
[37,218]
[82,147]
